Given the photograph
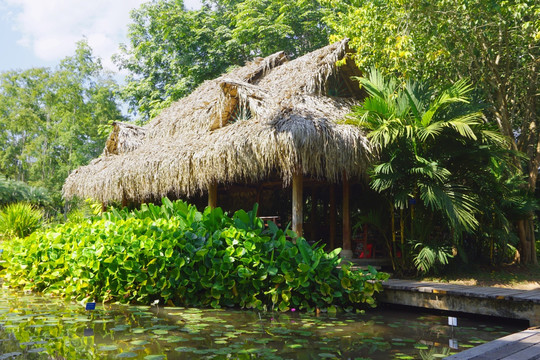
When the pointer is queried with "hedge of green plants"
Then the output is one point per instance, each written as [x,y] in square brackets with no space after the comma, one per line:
[180,256]
[19,220]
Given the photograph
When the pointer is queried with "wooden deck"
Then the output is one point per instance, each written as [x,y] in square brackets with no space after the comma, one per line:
[500,302]
[524,345]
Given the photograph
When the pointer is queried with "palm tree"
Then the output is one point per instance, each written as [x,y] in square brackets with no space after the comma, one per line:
[417,132]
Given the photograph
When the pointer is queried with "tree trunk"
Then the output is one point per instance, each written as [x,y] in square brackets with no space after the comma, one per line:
[531,147]
[529,143]
[527,241]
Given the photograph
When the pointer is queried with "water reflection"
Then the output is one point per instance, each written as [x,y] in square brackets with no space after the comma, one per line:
[35,327]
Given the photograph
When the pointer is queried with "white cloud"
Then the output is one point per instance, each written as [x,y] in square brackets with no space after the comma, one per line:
[51,28]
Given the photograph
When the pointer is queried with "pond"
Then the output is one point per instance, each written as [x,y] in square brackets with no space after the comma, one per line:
[39,327]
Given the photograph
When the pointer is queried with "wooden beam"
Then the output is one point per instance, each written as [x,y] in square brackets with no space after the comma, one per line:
[297,203]
[333,216]
[313,221]
[212,195]
[347,249]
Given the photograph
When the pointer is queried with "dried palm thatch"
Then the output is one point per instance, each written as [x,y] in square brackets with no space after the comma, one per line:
[270,116]
[123,139]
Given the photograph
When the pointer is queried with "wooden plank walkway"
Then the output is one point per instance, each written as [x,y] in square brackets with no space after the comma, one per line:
[524,345]
[508,303]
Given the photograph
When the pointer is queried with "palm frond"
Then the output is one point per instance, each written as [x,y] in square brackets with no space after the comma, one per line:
[377,105]
[458,92]
[458,206]
[376,84]
[384,168]
[386,133]
[431,255]
[432,130]
[464,124]
[430,169]
[417,94]
[401,105]
[493,137]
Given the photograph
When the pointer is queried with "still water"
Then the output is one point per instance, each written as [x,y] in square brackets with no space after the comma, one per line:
[38,327]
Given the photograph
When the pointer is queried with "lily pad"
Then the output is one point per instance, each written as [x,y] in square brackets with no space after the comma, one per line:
[154,357]
[184,349]
[327,356]
[127,354]
[139,342]
[108,348]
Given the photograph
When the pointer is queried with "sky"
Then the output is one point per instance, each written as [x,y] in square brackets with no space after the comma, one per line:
[35,33]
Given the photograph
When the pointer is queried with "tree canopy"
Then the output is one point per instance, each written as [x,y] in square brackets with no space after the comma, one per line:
[172,50]
[50,118]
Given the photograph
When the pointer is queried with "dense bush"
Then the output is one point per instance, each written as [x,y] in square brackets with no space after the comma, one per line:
[180,256]
[19,220]
[12,191]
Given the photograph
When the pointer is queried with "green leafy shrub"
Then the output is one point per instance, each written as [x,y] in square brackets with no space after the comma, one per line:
[178,255]
[19,220]
[12,191]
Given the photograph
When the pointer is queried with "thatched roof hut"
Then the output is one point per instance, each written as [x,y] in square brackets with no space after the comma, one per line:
[270,118]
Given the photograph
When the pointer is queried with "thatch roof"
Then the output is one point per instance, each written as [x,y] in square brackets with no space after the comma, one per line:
[124,138]
[270,116]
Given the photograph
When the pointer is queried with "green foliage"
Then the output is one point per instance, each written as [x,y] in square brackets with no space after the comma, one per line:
[19,220]
[12,191]
[79,211]
[408,123]
[49,118]
[434,149]
[430,257]
[496,44]
[179,255]
[172,50]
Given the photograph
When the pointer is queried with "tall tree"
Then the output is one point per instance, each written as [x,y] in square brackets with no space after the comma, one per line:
[50,119]
[494,43]
[172,50]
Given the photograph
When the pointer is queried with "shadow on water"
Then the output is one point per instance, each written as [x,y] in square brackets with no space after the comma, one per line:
[36,327]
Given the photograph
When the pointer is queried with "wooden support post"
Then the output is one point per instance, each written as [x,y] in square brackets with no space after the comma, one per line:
[313,214]
[212,195]
[347,249]
[297,203]
[333,217]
